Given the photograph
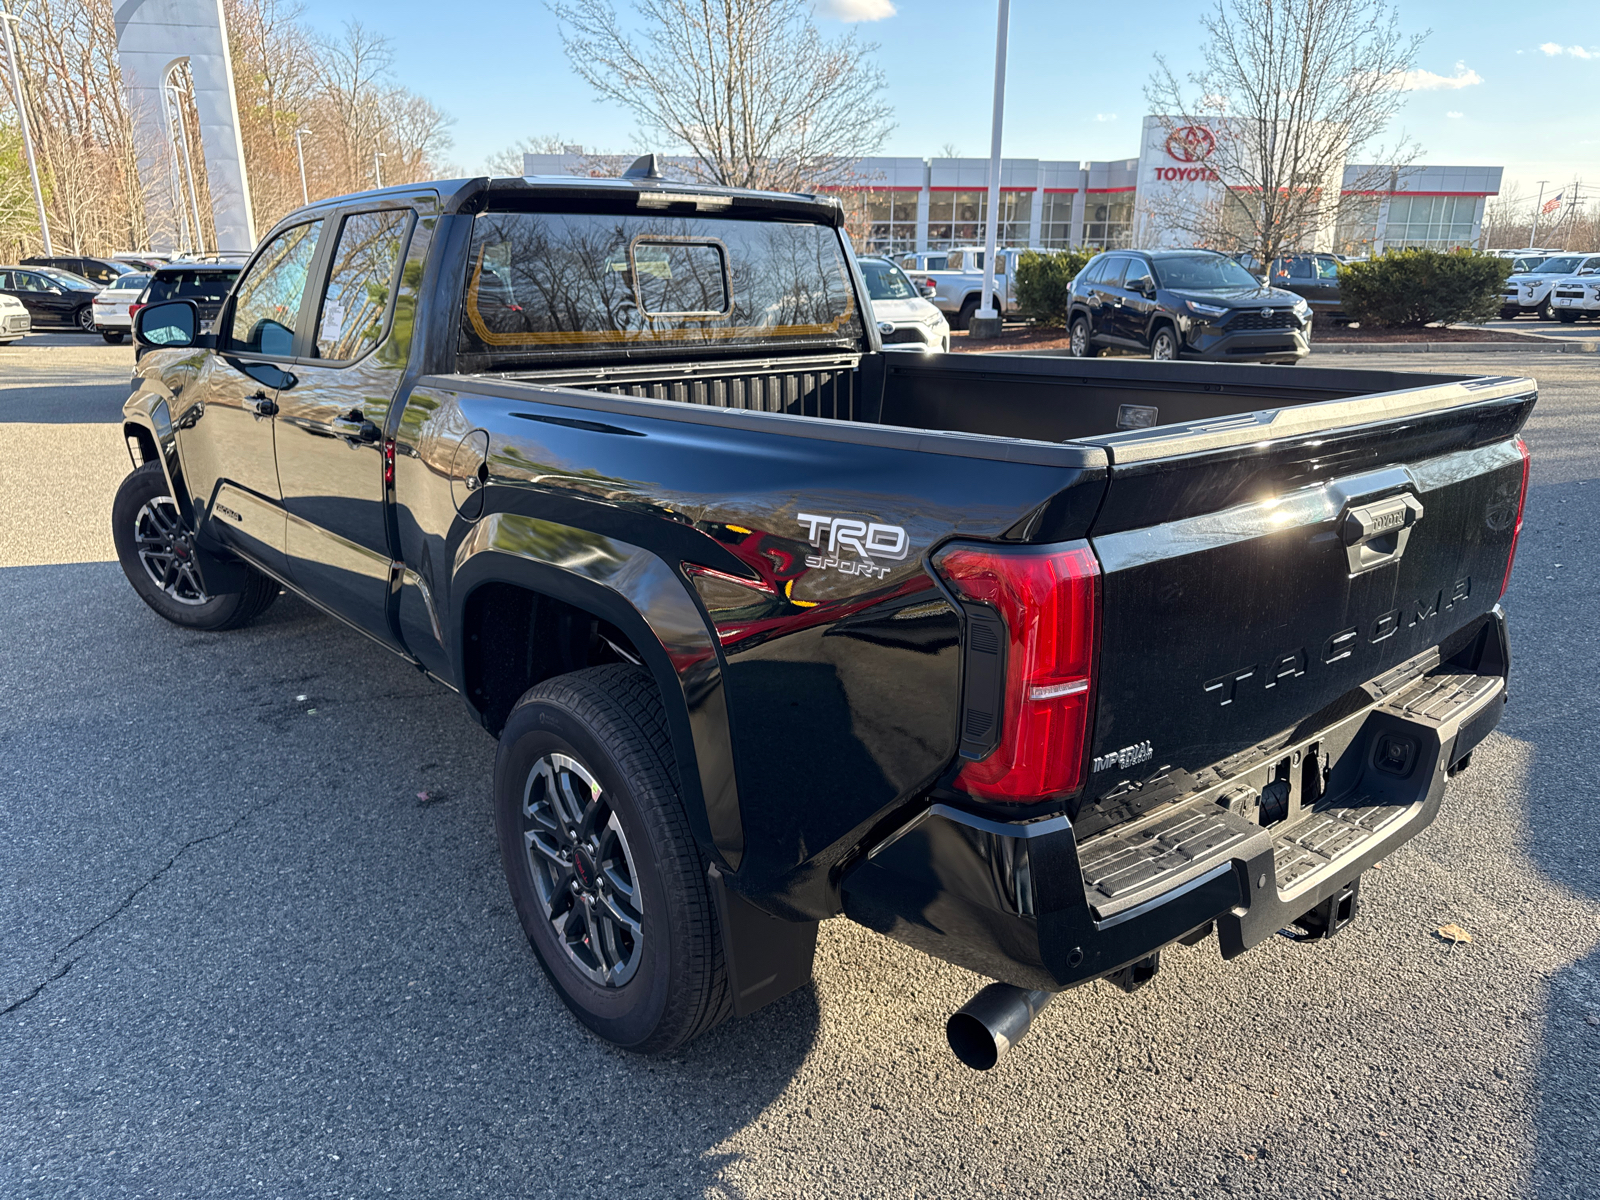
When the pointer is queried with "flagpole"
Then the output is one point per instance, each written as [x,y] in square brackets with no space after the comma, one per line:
[1533,235]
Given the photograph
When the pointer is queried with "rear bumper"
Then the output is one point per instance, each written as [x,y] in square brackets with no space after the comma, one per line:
[1024,903]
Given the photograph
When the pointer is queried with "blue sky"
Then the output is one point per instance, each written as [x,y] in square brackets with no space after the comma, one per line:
[1516,85]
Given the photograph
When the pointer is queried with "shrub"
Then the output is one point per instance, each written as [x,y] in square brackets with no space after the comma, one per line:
[1044,283]
[1423,287]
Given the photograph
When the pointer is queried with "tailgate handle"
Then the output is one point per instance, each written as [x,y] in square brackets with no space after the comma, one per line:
[1376,534]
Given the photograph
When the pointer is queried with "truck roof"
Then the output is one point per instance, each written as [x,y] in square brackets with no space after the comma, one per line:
[481,192]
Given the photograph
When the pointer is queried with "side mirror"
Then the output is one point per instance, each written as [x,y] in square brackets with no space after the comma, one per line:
[171,325]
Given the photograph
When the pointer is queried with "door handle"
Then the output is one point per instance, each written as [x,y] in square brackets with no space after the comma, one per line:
[262,405]
[354,427]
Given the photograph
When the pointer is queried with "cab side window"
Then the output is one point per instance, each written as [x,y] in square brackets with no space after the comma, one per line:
[361,285]
[268,303]
[26,281]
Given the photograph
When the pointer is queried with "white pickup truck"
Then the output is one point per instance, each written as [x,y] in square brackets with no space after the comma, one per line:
[958,290]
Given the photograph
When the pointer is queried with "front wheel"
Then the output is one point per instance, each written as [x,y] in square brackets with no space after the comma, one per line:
[84,319]
[1164,345]
[114,336]
[1545,310]
[1082,345]
[605,875]
[156,551]
[1567,316]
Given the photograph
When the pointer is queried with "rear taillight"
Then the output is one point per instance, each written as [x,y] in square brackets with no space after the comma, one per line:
[132,309]
[1516,530]
[1047,598]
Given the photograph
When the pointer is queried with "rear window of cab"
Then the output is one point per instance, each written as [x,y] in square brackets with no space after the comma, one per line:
[544,285]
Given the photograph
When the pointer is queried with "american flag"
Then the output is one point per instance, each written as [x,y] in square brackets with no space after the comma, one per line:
[1551,205]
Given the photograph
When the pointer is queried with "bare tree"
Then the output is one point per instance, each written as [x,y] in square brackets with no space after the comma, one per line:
[509,160]
[749,87]
[1289,93]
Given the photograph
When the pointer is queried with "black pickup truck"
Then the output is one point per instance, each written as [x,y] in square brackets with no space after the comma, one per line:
[1035,663]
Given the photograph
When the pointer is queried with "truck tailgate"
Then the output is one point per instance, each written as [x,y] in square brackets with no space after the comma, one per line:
[1259,570]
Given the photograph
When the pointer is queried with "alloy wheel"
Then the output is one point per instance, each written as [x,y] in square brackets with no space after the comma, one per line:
[583,869]
[167,552]
[86,319]
[1080,339]
[1162,348]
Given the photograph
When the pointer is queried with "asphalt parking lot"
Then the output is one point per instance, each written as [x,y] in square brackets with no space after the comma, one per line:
[256,941]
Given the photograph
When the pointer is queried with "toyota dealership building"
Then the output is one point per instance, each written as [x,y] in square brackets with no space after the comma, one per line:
[937,203]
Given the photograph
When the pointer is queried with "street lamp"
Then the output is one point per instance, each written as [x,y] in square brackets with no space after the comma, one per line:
[27,137]
[377,175]
[299,151]
[987,320]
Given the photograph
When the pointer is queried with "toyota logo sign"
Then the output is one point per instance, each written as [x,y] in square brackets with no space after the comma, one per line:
[1191,144]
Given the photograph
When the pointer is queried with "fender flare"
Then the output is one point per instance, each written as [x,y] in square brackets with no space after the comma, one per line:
[147,416]
[642,595]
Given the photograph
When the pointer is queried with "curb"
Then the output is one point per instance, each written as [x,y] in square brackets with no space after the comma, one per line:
[1550,346]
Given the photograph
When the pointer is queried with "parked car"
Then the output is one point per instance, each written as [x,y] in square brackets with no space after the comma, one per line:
[958,289]
[96,270]
[925,260]
[1577,296]
[1036,664]
[904,317]
[52,297]
[1185,304]
[1529,291]
[14,319]
[1313,276]
[205,284]
[143,262]
[112,315]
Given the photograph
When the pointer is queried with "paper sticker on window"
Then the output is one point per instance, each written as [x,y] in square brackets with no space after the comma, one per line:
[332,321]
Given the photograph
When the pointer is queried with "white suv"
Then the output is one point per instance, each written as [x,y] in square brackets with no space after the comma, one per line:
[1529,291]
[1577,295]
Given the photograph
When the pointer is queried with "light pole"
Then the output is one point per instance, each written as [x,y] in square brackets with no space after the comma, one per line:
[22,119]
[299,151]
[986,323]
[1533,234]
[377,175]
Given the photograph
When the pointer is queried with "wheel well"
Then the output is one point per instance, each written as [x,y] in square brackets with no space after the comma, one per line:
[141,442]
[1169,323]
[513,638]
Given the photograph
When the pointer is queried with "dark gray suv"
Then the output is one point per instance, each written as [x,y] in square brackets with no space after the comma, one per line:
[1185,304]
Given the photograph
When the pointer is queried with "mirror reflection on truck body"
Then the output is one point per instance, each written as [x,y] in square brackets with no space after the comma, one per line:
[167,325]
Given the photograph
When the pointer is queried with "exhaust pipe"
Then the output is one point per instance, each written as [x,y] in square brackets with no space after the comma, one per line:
[992,1022]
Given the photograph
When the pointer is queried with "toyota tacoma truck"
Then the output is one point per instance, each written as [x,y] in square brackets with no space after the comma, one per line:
[1034,663]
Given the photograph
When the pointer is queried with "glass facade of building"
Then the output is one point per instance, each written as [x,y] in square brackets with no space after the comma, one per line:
[893,215]
[957,218]
[1108,221]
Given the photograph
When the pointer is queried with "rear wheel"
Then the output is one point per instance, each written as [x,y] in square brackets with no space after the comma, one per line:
[156,552]
[1164,344]
[964,317]
[1510,314]
[1082,345]
[606,878]
[84,319]
[114,336]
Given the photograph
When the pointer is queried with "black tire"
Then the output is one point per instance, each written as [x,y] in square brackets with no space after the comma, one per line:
[1545,311]
[1164,344]
[1510,314]
[83,318]
[1082,344]
[148,535]
[1566,316]
[114,336]
[969,308]
[647,991]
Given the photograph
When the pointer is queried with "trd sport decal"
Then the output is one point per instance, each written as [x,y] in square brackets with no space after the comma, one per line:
[839,540]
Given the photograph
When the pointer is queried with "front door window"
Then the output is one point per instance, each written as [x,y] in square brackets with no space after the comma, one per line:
[268,305]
